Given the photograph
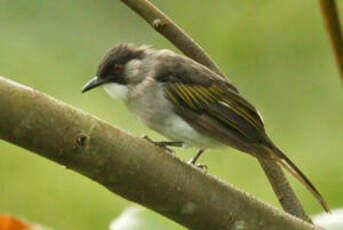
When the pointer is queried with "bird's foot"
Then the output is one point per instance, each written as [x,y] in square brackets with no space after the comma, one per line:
[198,165]
[165,144]
[201,166]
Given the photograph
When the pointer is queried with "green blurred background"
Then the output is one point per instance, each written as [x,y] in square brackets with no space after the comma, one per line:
[276,52]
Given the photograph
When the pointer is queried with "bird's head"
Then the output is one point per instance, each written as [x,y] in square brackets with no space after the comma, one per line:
[113,69]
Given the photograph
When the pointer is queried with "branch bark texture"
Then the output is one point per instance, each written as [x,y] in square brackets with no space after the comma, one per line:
[169,29]
[283,190]
[334,29]
[129,166]
[165,26]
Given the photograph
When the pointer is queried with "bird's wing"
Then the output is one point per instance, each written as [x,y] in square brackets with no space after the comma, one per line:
[224,114]
[215,103]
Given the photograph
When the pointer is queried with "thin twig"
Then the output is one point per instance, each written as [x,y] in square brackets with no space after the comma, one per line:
[130,166]
[334,29]
[164,25]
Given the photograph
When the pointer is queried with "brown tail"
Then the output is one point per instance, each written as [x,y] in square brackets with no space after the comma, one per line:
[285,162]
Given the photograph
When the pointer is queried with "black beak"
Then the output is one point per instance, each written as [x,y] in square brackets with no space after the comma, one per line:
[93,83]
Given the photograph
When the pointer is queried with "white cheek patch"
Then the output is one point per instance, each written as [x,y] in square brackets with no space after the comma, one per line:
[116,90]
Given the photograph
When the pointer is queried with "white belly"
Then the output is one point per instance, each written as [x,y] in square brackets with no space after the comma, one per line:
[155,111]
[176,129]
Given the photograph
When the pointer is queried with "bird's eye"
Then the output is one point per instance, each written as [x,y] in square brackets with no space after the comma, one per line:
[117,68]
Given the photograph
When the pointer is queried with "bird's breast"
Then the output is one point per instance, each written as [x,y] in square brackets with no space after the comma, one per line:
[116,91]
[152,108]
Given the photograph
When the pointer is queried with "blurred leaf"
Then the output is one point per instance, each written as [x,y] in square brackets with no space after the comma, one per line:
[8,222]
[332,221]
[138,218]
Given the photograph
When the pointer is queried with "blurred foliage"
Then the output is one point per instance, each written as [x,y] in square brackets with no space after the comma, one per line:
[275,52]
[138,218]
[329,222]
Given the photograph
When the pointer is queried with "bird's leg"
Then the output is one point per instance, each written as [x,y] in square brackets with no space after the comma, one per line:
[164,144]
[195,158]
[170,143]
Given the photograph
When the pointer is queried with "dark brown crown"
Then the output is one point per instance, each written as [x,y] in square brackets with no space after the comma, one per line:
[120,54]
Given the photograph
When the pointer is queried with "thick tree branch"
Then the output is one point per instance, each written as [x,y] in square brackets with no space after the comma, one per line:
[130,166]
[164,25]
[334,29]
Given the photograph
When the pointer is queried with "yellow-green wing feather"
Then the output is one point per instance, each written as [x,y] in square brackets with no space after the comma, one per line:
[241,115]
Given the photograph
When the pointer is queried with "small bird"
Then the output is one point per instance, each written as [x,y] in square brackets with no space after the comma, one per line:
[188,103]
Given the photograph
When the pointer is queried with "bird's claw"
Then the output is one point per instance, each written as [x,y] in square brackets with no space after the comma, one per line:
[148,139]
[201,166]
[164,146]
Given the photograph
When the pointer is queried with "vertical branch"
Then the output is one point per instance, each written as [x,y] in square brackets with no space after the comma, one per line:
[165,26]
[284,192]
[170,30]
[334,29]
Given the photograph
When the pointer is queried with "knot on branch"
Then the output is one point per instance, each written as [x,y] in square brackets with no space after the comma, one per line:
[80,141]
[158,24]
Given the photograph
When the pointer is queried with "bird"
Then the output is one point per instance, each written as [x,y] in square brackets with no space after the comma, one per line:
[188,103]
